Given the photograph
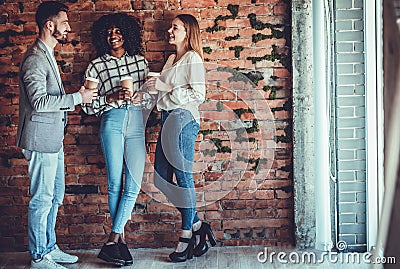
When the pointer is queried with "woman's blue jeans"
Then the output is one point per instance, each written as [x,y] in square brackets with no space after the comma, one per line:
[174,155]
[123,144]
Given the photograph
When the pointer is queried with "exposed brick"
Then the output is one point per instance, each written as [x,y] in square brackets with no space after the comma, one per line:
[283,194]
[244,11]
[219,115]
[280,9]
[231,195]
[238,23]
[213,12]
[197,4]
[225,95]
[234,2]
[10,8]
[236,63]
[155,46]
[282,73]
[157,207]
[220,54]
[233,214]
[156,227]
[112,5]
[85,6]
[85,228]
[268,1]
[255,223]
[138,239]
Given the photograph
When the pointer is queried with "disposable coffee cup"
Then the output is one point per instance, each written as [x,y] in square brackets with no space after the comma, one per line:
[153,74]
[150,75]
[91,83]
[127,83]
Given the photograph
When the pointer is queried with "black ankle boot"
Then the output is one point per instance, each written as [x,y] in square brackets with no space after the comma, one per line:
[125,254]
[187,254]
[111,254]
[202,247]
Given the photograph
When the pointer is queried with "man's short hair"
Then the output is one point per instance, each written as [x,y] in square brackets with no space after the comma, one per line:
[47,11]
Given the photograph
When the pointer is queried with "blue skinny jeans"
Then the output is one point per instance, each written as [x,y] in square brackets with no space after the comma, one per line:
[123,144]
[174,155]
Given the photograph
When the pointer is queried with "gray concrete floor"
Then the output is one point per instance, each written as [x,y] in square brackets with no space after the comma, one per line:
[217,257]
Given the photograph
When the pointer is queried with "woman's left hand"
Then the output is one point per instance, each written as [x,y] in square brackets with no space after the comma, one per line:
[151,84]
[158,84]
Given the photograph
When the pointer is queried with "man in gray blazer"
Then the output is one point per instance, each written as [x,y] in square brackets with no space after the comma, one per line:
[43,107]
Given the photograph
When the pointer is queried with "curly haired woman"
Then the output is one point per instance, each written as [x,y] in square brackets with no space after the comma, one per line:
[117,40]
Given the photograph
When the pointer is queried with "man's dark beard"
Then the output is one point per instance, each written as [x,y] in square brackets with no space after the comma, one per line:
[57,35]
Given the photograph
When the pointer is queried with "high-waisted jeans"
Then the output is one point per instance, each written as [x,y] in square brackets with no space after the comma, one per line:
[123,144]
[174,155]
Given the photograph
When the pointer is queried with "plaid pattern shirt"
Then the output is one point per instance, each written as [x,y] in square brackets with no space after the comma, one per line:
[109,70]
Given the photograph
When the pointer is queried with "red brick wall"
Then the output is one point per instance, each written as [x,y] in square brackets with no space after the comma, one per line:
[243,153]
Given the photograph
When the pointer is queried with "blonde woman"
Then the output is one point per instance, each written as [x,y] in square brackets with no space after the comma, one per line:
[181,89]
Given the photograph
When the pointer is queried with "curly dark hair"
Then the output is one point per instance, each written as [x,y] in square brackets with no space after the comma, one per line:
[130,30]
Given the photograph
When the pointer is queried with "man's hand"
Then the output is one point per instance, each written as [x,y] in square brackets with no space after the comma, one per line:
[87,94]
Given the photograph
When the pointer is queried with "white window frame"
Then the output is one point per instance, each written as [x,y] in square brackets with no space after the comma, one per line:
[374,115]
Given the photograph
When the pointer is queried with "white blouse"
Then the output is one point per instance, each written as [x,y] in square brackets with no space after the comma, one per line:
[186,77]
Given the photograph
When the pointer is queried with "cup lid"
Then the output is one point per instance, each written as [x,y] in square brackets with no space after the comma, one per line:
[92,79]
[154,74]
[126,78]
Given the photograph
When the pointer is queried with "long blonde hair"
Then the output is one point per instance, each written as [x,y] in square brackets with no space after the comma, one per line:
[193,40]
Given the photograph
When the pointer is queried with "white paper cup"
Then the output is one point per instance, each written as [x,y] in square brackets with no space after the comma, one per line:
[91,83]
[153,74]
[150,75]
[127,83]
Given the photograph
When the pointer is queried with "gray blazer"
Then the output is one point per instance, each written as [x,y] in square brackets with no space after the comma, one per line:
[42,102]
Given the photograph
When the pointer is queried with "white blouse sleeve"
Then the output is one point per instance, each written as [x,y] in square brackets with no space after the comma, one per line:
[194,90]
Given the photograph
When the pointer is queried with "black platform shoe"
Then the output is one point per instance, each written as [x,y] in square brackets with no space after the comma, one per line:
[125,254]
[187,254]
[111,254]
[202,247]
